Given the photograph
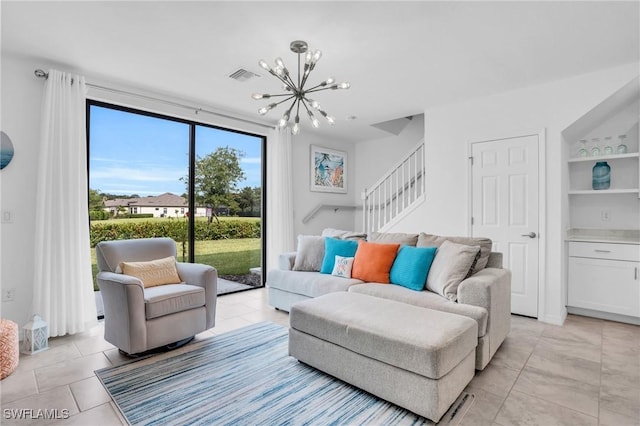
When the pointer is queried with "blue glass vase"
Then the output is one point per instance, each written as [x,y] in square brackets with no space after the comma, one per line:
[601,176]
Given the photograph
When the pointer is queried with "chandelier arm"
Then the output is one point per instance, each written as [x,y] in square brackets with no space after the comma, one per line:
[306,77]
[315,87]
[299,71]
[281,79]
[318,90]
[280,94]
[305,106]
[290,83]
[285,100]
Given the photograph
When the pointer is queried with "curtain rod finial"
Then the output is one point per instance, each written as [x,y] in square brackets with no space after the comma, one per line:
[41,74]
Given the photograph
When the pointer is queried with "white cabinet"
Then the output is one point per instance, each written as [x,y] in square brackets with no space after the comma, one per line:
[605,277]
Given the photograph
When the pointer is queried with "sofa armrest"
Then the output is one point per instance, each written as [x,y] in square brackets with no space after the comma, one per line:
[204,276]
[286,261]
[123,297]
[490,288]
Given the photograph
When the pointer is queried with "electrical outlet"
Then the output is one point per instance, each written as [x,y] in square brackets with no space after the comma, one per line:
[8,294]
[605,215]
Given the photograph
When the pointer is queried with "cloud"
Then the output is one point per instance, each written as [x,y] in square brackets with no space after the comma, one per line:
[131,174]
[251,160]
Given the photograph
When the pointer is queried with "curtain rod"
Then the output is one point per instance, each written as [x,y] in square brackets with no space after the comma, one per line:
[42,74]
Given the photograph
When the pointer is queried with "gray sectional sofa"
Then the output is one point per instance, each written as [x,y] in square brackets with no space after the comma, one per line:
[484,295]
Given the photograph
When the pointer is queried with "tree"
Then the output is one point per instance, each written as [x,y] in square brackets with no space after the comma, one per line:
[216,178]
[246,199]
[95,200]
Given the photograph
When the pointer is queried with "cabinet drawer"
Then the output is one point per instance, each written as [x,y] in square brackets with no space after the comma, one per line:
[630,252]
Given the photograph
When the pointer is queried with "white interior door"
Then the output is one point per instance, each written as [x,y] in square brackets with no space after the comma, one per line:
[505,208]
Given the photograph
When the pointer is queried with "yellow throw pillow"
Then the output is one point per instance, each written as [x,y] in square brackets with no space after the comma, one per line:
[153,272]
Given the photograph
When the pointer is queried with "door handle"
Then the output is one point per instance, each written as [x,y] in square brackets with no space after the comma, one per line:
[530,235]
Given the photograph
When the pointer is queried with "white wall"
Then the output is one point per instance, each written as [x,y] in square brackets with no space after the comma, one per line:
[450,129]
[374,158]
[21,97]
[305,200]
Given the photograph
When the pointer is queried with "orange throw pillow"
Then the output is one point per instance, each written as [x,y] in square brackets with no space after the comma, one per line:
[373,261]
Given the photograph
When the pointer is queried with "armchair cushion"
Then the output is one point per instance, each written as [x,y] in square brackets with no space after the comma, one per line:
[168,299]
[154,272]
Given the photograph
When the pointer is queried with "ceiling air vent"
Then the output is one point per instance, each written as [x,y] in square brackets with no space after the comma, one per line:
[242,74]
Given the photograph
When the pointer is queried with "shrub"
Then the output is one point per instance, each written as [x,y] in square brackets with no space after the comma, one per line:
[99,215]
[135,216]
[226,229]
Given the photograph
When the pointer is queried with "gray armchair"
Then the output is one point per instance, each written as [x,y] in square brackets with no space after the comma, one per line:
[138,319]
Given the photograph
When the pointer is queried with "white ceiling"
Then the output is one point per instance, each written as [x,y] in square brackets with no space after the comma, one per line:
[400,57]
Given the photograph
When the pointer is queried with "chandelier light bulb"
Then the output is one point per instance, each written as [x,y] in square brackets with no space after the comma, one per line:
[296,128]
[263,110]
[316,56]
[330,120]
[280,62]
[330,80]
[308,57]
[344,85]
[257,96]
[264,65]
[314,104]
[314,120]
[284,120]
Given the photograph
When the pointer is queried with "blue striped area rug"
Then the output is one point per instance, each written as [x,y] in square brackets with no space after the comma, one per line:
[244,377]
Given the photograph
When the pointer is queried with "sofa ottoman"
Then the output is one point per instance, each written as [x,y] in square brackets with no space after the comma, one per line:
[417,358]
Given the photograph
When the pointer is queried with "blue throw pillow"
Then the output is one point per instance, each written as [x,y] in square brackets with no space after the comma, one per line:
[334,247]
[411,267]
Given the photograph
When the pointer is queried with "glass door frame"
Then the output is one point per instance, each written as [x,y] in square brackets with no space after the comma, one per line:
[191,172]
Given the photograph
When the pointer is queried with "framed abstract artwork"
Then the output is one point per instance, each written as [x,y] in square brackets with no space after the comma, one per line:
[328,170]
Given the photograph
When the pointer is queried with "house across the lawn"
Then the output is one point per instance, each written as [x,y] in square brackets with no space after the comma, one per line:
[163,205]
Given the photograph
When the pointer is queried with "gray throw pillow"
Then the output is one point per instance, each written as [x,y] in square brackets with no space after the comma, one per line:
[393,237]
[485,244]
[309,254]
[452,264]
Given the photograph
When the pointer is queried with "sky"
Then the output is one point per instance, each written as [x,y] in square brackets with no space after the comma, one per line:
[136,154]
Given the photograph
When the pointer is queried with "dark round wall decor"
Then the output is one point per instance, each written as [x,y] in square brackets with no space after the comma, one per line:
[6,150]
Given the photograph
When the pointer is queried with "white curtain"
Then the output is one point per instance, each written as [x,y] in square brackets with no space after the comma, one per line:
[63,289]
[280,236]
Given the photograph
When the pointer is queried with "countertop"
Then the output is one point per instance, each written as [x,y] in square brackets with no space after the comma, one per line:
[593,235]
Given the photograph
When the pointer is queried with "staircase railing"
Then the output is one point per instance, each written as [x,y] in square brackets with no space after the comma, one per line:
[399,191]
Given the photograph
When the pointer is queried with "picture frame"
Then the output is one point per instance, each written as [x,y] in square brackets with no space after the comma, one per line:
[329,169]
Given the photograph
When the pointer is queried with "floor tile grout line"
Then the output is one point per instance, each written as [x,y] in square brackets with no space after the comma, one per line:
[516,380]
[546,400]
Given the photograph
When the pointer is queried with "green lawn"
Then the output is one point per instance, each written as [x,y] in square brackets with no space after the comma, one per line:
[229,257]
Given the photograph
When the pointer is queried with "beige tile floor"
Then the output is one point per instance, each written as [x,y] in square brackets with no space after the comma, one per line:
[586,372]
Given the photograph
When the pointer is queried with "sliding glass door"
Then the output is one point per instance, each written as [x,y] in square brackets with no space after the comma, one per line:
[153,176]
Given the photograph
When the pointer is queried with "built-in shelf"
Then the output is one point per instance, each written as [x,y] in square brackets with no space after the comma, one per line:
[604,157]
[604,191]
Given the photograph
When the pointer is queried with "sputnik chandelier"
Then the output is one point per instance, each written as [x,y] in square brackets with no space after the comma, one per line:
[297,92]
